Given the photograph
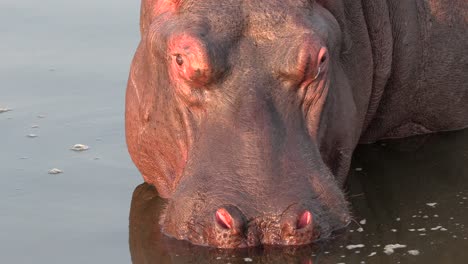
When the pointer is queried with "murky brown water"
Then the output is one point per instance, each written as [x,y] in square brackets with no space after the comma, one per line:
[63,68]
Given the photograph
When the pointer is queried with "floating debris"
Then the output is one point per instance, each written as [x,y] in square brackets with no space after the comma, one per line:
[390,248]
[32,136]
[55,171]
[358,169]
[422,229]
[372,254]
[413,252]
[394,230]
[41,116]
[436,228]
[248,259]
[360,229]
[4,110]
[398,219]
[34,126]
[354,246]
[363,221]
[433,205]
[79,147]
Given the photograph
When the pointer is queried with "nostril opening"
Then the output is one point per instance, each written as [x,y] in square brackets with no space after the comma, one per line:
[224,219]
[304,220]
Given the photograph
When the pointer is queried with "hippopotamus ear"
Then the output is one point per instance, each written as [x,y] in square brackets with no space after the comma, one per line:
[150,9]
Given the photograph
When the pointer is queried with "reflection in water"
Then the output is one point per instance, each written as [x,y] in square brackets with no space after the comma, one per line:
[409,193]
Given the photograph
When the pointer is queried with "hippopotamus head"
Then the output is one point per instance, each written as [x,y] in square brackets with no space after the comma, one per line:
[239,112]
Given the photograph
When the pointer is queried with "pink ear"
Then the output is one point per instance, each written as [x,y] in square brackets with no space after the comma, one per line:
[150,9]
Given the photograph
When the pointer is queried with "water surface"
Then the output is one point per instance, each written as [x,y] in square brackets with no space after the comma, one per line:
[63,68]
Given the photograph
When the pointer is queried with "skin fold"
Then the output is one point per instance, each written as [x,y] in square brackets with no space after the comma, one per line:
[245,114]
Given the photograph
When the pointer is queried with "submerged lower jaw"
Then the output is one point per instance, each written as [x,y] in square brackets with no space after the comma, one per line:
[224,241]
[252,241]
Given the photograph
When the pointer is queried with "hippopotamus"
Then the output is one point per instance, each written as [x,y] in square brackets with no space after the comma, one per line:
[244,114]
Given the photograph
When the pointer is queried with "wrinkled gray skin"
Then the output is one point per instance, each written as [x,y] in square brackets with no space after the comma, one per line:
[253,108]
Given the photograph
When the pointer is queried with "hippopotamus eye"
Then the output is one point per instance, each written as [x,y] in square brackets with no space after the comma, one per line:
[189,60]
[323,55]
[179,59]
[323,59]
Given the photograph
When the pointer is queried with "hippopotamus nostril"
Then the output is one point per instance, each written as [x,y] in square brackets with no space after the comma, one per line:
[304,219]
[224,219]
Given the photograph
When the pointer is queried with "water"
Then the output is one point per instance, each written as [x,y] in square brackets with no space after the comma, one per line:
[67,62]
[64,67]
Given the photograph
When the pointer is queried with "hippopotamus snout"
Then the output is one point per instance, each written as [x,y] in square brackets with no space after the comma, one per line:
[226,218]
[288,228]
[255,177]
[229,227]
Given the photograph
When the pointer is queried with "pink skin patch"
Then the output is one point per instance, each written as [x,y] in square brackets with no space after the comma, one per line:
[312,68]
[322,56]
[304,220]
[224,219]
[189,60]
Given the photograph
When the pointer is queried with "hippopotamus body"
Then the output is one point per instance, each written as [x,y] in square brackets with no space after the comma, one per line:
[245,114]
